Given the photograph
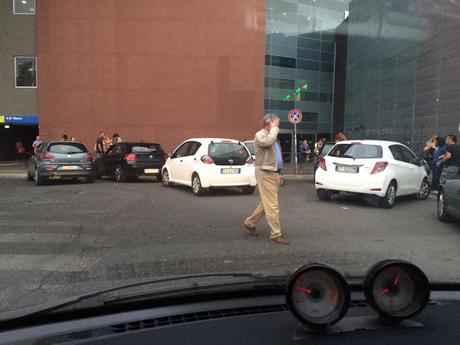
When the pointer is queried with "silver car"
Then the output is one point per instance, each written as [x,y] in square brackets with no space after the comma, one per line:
[449,199]
[60,160]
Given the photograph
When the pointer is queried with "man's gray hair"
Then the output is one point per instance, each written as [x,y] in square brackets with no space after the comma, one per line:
[269,118]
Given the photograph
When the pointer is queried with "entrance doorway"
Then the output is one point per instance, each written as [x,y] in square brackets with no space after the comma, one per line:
[9,133]
[287,143]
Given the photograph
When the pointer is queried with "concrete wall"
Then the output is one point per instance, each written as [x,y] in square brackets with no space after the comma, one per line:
[159,71]
[17,37]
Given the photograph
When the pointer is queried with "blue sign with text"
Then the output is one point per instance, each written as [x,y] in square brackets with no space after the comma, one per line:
[26,120]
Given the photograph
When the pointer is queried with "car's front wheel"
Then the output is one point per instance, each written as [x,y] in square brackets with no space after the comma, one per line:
[37,178]
[197,188]
[120,175]
[165,178]
[323,194]
[424,191]
[442,207]
[389,199]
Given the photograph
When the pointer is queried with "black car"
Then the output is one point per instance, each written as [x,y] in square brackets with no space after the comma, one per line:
[127,161]
[449,199]
[60,160]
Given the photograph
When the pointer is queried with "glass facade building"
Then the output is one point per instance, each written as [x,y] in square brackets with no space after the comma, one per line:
[402,70]
[299,63]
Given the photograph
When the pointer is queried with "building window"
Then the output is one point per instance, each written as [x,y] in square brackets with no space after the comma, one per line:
[23,6]
[25,71]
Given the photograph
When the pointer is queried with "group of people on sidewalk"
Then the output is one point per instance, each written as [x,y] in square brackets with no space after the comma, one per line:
[306,152]
[443,156]
[103,142]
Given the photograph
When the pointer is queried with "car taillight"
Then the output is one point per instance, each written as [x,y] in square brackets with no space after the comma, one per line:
[207,160]
[250,160]
[88,158]
[47,156]
[130,157]
[379,167]
[322,163]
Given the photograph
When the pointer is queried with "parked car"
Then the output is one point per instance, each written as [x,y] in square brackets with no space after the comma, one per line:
[449,199]
[324,151]
[126,161]
[205,163]
[369,167]
[60,160]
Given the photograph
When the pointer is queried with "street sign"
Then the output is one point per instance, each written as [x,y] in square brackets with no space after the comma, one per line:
[295,116]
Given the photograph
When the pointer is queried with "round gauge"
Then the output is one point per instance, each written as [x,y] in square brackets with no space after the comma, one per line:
[317,295]
[396,289]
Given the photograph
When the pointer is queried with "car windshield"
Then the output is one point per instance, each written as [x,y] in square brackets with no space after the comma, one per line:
[251,147]
[222,152]
[358,151]
[148,112]
[67,148]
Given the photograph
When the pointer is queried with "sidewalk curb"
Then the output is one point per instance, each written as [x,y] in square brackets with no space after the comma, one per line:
[13,175]
[299,177]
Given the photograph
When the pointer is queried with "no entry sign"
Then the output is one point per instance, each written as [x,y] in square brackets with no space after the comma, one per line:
[295,116]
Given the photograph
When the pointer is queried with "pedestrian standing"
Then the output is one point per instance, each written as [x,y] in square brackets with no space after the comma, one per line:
[340,137]
[36,144]
[72,138]
[107,142]
[116,139]
[318,146]
[99,146]
[451,158]
[20,149]
[269,164]
[65,137]
[304,152]
[439,149]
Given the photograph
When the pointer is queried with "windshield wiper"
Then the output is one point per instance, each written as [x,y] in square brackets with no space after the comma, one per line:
[48,308]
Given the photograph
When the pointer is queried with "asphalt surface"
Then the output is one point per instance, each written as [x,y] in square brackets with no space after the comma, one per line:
[64,239]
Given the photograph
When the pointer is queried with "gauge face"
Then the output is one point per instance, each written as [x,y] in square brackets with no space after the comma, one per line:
[396,289]
[318,295]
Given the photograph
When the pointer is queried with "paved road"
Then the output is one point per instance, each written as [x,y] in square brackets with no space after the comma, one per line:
[62,239]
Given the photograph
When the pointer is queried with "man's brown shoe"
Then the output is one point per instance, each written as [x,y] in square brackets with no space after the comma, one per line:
[252,231]
[280,240]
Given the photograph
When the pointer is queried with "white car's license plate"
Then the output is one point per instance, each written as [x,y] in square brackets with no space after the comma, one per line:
[230,171]
[70,167]
[151,171]
[351,169]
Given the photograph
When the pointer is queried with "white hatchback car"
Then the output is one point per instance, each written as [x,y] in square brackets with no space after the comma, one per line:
[203,163]
[370,167]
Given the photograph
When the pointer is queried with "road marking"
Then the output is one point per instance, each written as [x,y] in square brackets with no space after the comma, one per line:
[45,237]
[53,263]
[344,208]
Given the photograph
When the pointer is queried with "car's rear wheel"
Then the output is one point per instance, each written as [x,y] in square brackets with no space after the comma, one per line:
[197,188]
[249,189]
[38,179]
[165,178]
[389,199]
[119,173]
[323,194]
[442,207]
[424,191]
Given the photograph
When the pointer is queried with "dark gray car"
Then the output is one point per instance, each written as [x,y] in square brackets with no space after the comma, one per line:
[449,199]
[60,160]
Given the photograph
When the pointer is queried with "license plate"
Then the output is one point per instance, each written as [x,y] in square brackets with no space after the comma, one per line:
[347,169]
[151,171]
[70,167]
[230,171]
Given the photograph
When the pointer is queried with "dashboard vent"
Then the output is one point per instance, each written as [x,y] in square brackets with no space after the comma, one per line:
[159,322]
[194,317]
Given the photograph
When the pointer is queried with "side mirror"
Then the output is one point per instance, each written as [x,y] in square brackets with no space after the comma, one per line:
[170,154]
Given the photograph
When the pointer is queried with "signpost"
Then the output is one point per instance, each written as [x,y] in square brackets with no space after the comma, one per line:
[294,117]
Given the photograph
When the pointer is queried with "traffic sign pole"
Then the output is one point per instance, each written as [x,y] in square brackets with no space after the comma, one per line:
[294,117]
[295,146]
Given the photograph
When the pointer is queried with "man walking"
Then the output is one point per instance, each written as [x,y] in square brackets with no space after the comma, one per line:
[269,163]
[451,158]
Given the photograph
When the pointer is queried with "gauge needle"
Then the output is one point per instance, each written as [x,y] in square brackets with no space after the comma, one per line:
[308,291]
[397,278]
[384,292]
